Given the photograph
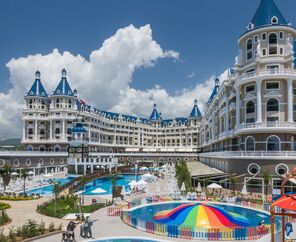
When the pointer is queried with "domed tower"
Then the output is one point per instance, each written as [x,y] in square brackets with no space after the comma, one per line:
[265,80]
[63,109]
[35,113]
[195,115]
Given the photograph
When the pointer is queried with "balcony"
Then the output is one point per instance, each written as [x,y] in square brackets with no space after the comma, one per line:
[270,126]
[272,155]
[271,73]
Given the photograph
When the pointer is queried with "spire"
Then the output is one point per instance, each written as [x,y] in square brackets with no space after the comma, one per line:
[37,88]
[63,87]
[214,92]
[267,14]
[154,115]
[195,113]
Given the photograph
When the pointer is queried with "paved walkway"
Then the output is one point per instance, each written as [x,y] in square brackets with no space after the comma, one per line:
[21,211]
[113,226]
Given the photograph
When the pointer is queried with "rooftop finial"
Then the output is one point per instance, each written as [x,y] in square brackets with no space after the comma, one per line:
[64,73]
[195,102]
[217,82]
[37,74]
[154,106]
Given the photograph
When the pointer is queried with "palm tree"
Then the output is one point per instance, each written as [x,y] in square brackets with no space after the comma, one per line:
[56,191]
[113,180]
[83,181]
[24,175]
[6,175]
[266,178]
[232,180]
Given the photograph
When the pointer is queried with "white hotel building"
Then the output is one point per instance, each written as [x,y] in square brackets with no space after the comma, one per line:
[248,128]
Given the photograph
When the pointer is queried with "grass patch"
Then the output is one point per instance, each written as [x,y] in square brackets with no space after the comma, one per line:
[65,205]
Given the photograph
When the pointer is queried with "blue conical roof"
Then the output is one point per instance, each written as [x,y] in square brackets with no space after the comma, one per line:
[265,13]
[78,128]
[155,115]
[63,87]
[37,88]
[214,92]
[195,113]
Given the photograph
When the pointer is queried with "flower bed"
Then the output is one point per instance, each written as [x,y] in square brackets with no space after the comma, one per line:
[18,198]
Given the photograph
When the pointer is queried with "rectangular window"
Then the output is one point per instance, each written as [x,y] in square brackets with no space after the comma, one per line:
[250,88]
[272,119]
[272,50]
[250,120]
[264,52]
[281,35]
[272,85]
[281,51]
[249,55]
[250,71]
[294,91]
[264,36]
[294,107]
[256,38]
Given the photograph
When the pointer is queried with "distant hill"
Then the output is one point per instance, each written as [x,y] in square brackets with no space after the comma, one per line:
[12,141]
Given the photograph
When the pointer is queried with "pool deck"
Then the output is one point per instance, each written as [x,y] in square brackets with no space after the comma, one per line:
[113,227]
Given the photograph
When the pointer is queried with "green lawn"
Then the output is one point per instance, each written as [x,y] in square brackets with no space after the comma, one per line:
[63,207]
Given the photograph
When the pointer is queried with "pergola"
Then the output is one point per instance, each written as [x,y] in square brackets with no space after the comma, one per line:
[287,205]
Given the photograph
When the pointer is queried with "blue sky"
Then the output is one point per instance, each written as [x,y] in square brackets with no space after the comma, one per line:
[204,32]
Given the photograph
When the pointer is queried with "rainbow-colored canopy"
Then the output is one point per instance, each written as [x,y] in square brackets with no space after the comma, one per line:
[201,215]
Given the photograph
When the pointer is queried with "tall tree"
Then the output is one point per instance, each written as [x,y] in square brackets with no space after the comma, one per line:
[6,175]
[56,191]
[266,178]
[84,180]
[24,175]
[113,180]
[232,180]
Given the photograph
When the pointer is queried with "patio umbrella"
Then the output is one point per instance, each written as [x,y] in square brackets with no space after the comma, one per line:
[143,168]
[183,187]
[31,173]
[198,189]
[287,202]
[244,190]
[214,186]
[14,174]
[123,191]
[48,175]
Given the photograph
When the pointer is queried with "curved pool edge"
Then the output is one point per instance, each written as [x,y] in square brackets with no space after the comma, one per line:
[196,233]
[126,237]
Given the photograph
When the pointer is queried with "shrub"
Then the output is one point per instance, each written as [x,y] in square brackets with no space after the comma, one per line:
[18,198]
[51,227]
[3,218]
[4,206]
[12,234]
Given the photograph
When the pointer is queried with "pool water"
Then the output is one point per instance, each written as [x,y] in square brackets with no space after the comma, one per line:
[48,190]
[146,213]
[103,186]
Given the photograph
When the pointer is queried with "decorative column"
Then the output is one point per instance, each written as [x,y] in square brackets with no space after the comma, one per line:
[237,89]
[24,129]
[36,130]
[50,129]
[63,129]
[227,116]
[259,101]
[290,100]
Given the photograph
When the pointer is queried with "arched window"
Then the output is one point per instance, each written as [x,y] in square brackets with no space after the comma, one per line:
[69,131]
[41,148]
[41,131]
[250,107]
[29,148]
[57,131]
[273,38]
[272,105]
[250,144]
[273,143]
[249,49]
[30,131]
[57,148]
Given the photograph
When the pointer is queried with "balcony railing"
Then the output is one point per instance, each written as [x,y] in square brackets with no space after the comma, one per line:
[266,73]
[250,154]
[265,125]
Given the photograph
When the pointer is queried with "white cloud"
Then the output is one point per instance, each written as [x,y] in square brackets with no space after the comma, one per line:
[190,75]
[103,80]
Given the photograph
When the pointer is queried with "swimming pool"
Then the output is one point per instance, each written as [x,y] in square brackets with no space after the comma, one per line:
[126,239]
[48,190]
[145,218]
[103,186]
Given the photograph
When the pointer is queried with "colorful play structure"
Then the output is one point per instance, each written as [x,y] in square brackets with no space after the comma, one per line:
[201,215]
[285,207]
